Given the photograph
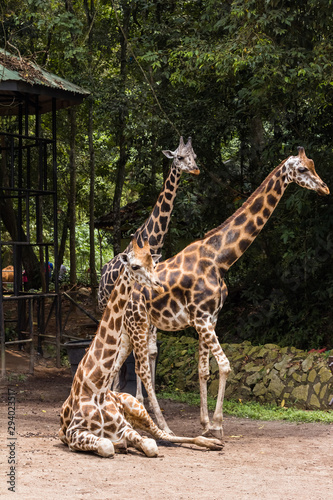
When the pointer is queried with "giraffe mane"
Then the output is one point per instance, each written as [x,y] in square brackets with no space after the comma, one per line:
[246,202]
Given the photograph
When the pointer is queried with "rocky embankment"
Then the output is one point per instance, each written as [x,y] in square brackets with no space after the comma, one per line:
[267,373]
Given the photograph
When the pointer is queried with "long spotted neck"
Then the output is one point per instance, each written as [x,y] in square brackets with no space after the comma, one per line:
[156,226]
[235,235]
[95,370]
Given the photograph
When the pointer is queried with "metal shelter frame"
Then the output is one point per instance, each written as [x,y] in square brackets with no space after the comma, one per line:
[28,191]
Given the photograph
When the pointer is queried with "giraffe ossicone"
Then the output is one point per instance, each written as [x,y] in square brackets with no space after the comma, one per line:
[195,290]
[93,418]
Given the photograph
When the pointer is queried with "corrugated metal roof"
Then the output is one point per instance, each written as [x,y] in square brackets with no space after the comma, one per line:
[20,69]
[21,79]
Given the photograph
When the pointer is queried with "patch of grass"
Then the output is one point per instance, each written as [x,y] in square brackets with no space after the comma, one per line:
[254,410]
[16,377]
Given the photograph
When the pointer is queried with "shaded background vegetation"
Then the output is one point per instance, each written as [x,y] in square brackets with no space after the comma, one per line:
[249,81]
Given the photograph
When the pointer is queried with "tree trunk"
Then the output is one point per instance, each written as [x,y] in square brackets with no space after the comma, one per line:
[121,135]
[90,14]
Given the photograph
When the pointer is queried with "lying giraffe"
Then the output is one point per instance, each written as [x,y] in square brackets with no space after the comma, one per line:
[95,419]
[195,290]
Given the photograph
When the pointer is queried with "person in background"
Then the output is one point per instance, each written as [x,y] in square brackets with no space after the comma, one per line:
[50,268]
[62,272]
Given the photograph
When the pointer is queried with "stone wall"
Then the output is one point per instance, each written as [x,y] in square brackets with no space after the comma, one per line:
[267,373]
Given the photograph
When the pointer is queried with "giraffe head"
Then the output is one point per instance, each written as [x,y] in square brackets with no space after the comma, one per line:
[184,157]
[301,169]
[139,264]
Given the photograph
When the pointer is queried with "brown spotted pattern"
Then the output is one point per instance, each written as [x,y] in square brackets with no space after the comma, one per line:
[194,287]
[93,418]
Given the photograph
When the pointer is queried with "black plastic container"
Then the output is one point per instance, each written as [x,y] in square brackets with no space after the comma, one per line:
[76,349]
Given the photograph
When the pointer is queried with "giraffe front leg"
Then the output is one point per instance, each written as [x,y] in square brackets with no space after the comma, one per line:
[203,369]
[143,371]
[124,351]
[153,352]
[82,440]
[224,370]
[139,392]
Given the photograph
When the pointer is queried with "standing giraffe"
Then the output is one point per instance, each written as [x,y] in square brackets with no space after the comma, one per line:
[93,418]
[195,290]
[155,229]
[156,226]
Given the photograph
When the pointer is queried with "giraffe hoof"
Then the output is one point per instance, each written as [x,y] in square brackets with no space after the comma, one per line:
[215,433]
[149,447]
[211,444]
[105,448]
[166,429]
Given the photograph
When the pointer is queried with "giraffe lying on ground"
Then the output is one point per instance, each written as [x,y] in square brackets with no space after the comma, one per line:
[195,290]
[155,229]
[95,419]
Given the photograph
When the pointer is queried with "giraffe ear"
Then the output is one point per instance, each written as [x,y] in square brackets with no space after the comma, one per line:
[156,257]
[169,154]
[123,257]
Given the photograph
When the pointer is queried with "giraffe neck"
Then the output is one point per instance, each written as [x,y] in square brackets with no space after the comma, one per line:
[235,235]
[157,224]
[95,370]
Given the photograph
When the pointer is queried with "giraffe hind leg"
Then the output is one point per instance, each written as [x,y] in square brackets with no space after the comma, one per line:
[208,341]
[145,444]
[138,416]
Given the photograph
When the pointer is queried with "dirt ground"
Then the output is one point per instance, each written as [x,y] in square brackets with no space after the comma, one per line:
[260,460]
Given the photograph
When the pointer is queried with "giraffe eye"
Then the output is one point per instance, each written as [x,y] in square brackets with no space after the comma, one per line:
[180,158]
[302,170]
[135,267]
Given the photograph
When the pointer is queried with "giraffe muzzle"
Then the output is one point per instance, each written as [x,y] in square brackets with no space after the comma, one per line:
[194,172]
[323,190]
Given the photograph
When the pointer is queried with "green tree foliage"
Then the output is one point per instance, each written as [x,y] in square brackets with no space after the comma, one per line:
[249,80]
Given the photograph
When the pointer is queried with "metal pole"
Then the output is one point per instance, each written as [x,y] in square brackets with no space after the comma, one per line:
[2,331]
[2,322]
[55,231]
[31,325]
